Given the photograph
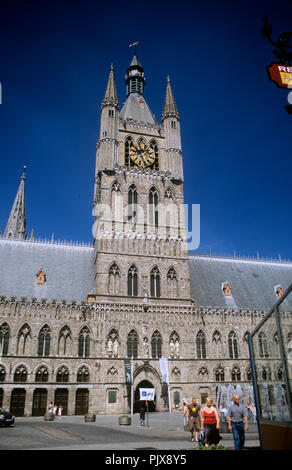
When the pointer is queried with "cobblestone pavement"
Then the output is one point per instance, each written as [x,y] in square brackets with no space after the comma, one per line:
[163,431]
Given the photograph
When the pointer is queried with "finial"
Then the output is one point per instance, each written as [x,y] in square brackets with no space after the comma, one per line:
[112,66]
[168,79]
[23,174]
[134,44]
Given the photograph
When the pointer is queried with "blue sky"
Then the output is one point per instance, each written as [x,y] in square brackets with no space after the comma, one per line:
[236,135]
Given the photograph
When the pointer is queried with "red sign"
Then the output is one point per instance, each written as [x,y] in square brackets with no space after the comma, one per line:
[280,74]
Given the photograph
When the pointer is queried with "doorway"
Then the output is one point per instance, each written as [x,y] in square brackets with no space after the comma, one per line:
[61,399]
[137,402]
[81,401]
[39,402]
[17,402]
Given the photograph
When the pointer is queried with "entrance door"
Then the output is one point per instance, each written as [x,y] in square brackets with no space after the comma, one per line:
[39,403]
[81,402]
[61,398]
[137,402]
[17,402]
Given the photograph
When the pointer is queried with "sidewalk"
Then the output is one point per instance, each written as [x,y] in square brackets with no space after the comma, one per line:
[162,431]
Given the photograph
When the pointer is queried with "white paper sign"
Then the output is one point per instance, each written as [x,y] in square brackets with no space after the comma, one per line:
[164,369]
[147,394]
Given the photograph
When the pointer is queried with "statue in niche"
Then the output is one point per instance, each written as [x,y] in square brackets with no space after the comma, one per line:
[115,347]
[146,347]
[176,347]
[110,346]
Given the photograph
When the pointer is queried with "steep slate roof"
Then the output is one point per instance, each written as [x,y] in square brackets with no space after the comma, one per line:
[69,270]
[137,109]
[252,282]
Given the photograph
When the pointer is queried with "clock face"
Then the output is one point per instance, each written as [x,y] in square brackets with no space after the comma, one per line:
[142,155]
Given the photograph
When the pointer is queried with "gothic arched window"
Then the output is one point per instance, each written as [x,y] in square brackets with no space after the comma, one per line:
[114,279]
[20,375]
[83,374]
[217,344]
[128,145]
[172,284]
[201,345]
[156,343]
[4,339]
[65,337]
[263,345]
[84,342]
[133,281]
[219,374]
[44,341]
[235,374]
[233,345]
[153,207]
[62,375]
[22,341]
[132,344]
[155,282]
[42,375]
[132,204]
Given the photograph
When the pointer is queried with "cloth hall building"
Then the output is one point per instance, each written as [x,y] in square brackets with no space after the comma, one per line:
[71,314]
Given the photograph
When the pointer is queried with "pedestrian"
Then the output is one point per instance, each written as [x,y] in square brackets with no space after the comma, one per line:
[193,418]
[186,426]
[50,408]
[210,423]
[60,409]
[55,409]
[237,422]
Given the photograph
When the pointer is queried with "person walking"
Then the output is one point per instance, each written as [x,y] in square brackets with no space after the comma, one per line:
[193,418]
[60,409]
[210,423]
[237,422]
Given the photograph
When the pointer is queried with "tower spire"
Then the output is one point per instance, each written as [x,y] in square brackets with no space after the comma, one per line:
[111,96]
[16,225]
[169,109]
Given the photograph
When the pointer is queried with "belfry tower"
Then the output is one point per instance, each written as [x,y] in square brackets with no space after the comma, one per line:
[139,230]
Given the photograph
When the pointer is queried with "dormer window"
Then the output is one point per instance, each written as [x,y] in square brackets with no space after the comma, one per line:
[41,277]
[226,287]
[279,291]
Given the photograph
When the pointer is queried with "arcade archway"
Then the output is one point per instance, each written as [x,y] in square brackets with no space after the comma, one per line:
[137,402]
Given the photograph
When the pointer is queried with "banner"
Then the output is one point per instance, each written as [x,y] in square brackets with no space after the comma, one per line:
[128,371]
[147,394]
[164,369]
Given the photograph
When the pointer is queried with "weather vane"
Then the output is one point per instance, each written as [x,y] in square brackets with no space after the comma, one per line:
[134,44]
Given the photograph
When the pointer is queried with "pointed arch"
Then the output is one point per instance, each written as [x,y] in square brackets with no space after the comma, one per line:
[128,145]
[64,340]
[172,283]
[20,374]
[44,341]
[153,207]
[84,342]
[201,345]
[83,374]
[132,204]
[23,339]
[217,344]
[132,344]
[156,345]
[62,375]
[114,279]
[42,374]
[133,281]
[155,282]
[233,345]
[4,339]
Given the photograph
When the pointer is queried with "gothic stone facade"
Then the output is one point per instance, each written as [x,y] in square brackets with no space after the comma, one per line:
[70,314]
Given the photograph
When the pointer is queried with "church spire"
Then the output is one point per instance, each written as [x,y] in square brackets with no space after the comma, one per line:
[135,79]
[111,96]
[169,109]
[16,225]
